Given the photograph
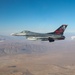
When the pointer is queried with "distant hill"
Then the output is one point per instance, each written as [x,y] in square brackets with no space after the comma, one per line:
[12,45]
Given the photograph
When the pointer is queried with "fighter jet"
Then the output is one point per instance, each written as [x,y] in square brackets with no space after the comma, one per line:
[51,36]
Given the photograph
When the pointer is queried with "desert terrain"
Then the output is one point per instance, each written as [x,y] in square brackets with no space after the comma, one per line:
[22,57]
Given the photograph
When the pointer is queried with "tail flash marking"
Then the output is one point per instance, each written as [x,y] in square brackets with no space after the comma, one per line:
[60,30]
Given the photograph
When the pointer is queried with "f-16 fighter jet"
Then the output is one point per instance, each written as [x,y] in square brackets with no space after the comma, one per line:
[51,36]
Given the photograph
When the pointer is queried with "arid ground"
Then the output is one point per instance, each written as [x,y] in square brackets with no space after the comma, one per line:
[22,57]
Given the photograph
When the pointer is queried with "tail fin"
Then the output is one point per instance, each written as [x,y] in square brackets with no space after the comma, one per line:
[60,30]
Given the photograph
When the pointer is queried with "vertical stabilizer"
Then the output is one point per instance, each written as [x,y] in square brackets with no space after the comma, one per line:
[60,30]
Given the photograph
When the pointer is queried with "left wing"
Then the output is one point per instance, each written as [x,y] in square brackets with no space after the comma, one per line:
[37,38]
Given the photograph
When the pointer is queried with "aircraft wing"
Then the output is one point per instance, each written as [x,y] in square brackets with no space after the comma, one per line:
[37,38]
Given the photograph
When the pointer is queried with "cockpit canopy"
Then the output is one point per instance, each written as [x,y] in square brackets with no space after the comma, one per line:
[25,31]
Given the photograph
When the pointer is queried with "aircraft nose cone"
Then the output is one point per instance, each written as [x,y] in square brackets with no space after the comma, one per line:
[18,34]
[13,34]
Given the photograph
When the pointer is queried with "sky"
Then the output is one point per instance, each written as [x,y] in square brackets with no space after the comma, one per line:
[36,15]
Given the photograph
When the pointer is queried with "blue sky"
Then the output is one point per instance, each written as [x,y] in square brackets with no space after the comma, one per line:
[36,15]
